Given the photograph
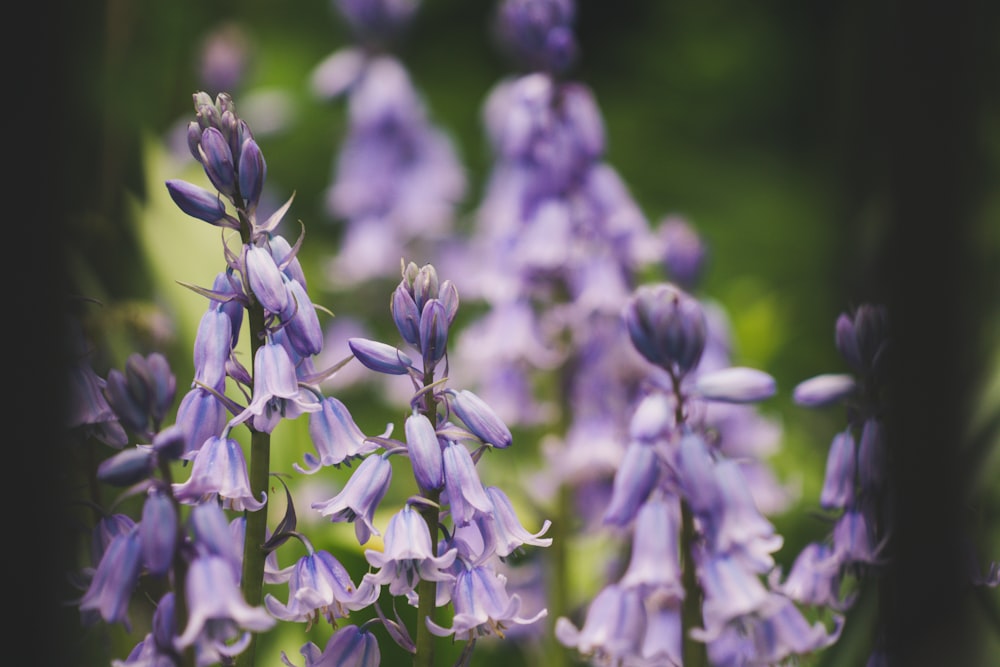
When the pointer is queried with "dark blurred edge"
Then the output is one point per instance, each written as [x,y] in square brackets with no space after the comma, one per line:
[939,63]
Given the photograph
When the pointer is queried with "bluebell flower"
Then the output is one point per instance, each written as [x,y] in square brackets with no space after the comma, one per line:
[464,490]
[276,391]
[265,279]
[614,629]
[481,420]
[301,323]
[814,578]
[212,348]
[839,481]
[482,606]
[201,415]
[219,470]
[732,591]
[824,389]
[200,203]
[654,563]
[115,580]
[667,327]
[407,556]
[156,649]
[537,34]
[320,586]
[425,452]
[214,535]
[633,482]
[380,357]
[217,612]
[349,646]
[158,531]
[357,501]
[502,529]
[336,437]
[780,630]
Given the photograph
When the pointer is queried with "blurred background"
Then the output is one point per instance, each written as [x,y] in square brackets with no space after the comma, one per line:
[829,154]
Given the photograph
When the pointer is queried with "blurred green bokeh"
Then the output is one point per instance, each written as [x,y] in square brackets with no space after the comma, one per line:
[753,120]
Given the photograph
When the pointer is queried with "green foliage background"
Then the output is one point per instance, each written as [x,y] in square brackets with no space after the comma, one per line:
[765,124]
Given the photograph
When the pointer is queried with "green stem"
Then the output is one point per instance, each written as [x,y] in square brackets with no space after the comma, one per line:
[427,590]
[252,580]
[693,651]
[557,655]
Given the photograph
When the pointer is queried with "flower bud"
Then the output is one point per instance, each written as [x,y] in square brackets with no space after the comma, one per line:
[433,333]
[380,357]
[736,385]
[405,314]
[252,170]
[198,202]
[823,389]
[127,467]
[425,286]
[480,418]
[158,531]
[667,326]
[425,452]
[266,280]
[217,159]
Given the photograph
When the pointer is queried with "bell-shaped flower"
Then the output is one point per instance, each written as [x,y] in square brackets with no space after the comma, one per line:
[838,484]
[214,535]
[737,525]
[780,631]
[217,611]
[853,541]
[265,279]
[336,437]
[731,591]
[212,347]
[405,314]
[814,578]
[407,557]
[252,170]
[201,415]
[614,629]
[481,420]
[158,531]
[157,648]
[357,501]
[301,321]
[276,391]
[502,530]
[655,560]
[425,452]
[872,456]
[662,642]
[482,605]
[115,579]
[466,495]
[634,480]
[320,586]
[220,470]
[349,646]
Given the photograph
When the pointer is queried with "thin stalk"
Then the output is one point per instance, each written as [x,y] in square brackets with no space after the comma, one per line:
[693,651]
[427,590]
[252,579]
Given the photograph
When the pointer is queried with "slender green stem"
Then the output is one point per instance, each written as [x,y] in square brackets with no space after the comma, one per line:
[558,585]
[427,590]
[252,580]
[694,652]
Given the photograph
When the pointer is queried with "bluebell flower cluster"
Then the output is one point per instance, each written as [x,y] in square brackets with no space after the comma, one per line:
[397,178]
[700,547]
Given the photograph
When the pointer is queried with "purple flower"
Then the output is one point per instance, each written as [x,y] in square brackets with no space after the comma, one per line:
[823,389]
[349,646]
[276,391]
[614,629]
[380,357]
[425,452]
[655,560]
[158,531]
[466,495]
[481,420]
[667,327]
[357,501]
[814,578]
[201,415]
[780,630]
[838,484]
[216,608]
[200,203]
[320,586]
[731,591]
[634,480]
[212,347]
[408,557]
[482,606]
[735,385]
[116,577]
[503,530]
[301,321]
[220,470]
[336,437]
[265,279]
